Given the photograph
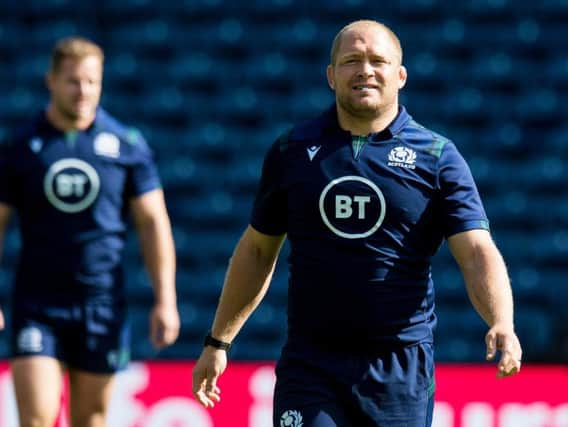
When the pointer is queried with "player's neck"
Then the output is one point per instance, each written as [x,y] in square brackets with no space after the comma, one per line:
[364,125]
[64,123]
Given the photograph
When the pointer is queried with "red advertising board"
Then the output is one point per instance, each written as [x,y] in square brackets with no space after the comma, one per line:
[472,396]
[158,394]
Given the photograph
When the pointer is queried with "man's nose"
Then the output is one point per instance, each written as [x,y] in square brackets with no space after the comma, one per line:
[84,87]
[366,69]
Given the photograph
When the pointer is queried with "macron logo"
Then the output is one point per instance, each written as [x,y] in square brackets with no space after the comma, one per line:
[312,151]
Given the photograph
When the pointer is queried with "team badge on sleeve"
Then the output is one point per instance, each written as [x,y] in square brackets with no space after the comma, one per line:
[291,418]
[107,144]
[30,340]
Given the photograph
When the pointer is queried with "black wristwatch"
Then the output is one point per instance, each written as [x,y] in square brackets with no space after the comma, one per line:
[215,343]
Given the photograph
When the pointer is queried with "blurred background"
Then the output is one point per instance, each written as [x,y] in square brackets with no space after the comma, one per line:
[212,83]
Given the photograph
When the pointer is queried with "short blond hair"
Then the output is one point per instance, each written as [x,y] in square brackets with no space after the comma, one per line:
[338,37]
[76,48]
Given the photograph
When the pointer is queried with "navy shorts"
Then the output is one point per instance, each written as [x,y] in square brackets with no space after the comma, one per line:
[325,389]
[92,335]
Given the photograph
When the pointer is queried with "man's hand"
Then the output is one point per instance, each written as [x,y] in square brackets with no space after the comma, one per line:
[164,325]
[503,339]
[209,367]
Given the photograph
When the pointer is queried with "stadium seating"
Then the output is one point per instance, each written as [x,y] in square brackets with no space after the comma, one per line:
[212,84]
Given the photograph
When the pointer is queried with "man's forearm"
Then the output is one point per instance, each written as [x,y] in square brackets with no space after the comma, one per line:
[488,285]
[159,258]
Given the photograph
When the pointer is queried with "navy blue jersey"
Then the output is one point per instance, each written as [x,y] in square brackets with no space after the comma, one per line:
[71,191]
[364,216]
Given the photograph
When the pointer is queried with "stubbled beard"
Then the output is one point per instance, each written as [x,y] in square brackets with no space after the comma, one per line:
[368,111]
[68,113]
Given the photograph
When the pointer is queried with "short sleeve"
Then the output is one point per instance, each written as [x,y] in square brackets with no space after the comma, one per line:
[462,208]
[143,174]
[269,213]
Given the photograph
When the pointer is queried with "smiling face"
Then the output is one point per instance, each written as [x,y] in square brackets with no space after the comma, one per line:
[366,72]
[76,89]
[74,81]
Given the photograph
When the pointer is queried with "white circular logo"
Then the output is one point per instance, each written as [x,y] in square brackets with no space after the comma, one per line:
[71,185]
[403,155]
[291,419]
[352,207]
[30,340]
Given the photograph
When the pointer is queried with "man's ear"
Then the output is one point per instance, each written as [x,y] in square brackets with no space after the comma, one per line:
[330,80]
[402,75]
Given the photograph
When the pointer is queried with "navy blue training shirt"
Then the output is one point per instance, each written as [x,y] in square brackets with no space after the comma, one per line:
[364,216]
[71,191]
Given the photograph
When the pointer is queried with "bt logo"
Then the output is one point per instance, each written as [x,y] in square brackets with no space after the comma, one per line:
[352,207]
[343,206]
[71,185]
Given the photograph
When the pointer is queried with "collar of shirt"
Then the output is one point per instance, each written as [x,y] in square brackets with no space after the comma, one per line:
[45,126]
[330,124]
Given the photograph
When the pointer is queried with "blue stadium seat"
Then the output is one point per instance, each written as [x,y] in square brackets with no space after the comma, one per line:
[188,66]
[254,351]
[11,247]
[201,284]
[448,283]
[459,350]
[11,33]
[460,333]
[536,329]
[129,7]
[4,346]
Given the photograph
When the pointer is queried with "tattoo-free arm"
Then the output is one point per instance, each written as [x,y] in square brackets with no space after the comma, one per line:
[248,277]
[156,241]
[489,290]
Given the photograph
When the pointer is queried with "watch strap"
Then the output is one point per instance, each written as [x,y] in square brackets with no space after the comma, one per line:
[215,343]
